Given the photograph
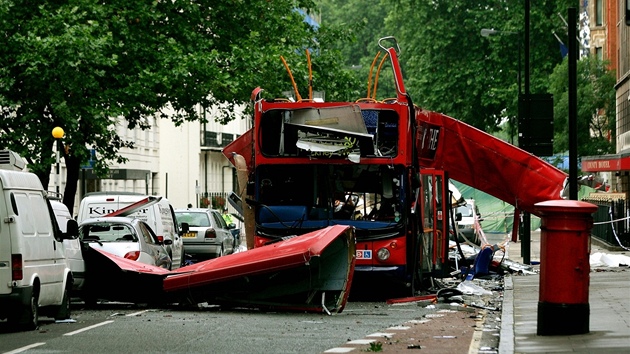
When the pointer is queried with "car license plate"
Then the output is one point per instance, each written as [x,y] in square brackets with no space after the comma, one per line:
[190,235]
[364,254]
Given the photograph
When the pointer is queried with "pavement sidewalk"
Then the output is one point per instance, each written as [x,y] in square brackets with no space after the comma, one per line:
[609,301]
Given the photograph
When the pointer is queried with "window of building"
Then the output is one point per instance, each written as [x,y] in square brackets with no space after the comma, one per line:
[599,53]
[599,12]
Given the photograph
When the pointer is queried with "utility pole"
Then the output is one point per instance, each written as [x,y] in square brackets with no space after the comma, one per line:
[527,233]
[573,189]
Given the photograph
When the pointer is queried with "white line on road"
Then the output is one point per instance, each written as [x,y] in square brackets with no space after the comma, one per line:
[87,328]
[137,313]
[19,350]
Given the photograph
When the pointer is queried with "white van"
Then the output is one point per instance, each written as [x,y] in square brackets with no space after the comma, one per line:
[71,247]
[467,214]
[34,275]
[157,212]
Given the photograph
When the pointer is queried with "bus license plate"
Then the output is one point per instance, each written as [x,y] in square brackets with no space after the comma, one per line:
[364,254]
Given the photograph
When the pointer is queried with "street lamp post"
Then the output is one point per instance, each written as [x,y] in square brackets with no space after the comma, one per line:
[522,119]
[58,133]
[525,224]
[487,32]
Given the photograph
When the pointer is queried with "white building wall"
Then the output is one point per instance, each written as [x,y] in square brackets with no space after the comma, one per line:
[179,162]
[216,171]
[180,168]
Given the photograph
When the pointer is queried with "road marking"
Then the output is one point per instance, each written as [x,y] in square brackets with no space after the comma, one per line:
[475,342]
[419,321]
[87,328]
[23,349]
[402,328]
[339,350]
[361,341]
[137,313]
[381,335]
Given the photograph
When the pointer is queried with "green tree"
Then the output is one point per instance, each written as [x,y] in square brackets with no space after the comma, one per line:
[363,26]
[451,68]
[87,66]
[596,107]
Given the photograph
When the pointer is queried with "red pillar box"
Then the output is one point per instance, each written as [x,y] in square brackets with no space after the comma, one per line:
[565,246]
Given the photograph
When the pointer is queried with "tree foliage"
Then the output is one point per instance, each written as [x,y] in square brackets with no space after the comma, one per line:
[86,66]
[452,69]
[596,107]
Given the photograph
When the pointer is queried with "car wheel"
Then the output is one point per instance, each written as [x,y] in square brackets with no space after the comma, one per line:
[64,309]
[221,252]
[182,258]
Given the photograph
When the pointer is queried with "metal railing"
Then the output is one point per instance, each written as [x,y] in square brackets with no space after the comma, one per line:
[214,200]
[610,222]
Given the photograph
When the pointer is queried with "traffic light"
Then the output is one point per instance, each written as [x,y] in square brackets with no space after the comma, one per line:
[535,123]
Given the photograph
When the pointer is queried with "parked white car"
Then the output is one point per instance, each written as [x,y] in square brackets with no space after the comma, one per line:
[208,236]
[156,211]
[125,237]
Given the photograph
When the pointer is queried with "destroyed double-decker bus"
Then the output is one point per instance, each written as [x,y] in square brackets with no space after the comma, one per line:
[379,165]
[308,165]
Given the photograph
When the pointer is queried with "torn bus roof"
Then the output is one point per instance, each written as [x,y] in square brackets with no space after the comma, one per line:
[128,265]
[115,278]
[489,164]
[312,272]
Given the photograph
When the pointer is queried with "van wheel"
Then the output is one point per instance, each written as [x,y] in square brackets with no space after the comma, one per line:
[31,314]
[64,309]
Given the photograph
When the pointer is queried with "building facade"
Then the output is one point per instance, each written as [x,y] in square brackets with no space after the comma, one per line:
[611,37]
[181,163]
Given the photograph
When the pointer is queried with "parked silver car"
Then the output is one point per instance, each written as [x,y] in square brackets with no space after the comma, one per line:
[208,235]
[125,237]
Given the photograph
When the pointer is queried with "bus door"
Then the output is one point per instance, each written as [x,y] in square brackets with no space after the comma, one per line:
[435,216]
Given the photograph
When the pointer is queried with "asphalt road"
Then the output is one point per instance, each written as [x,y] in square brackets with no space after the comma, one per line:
[131,328]
[116,328]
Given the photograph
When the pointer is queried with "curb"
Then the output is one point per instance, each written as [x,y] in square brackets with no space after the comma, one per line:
[506,337]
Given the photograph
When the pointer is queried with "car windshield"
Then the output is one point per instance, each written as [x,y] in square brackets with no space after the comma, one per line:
[107,232]
[193,219]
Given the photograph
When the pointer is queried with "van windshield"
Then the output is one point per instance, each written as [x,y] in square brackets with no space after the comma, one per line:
[465,210]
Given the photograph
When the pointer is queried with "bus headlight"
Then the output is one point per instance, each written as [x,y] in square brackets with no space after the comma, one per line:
[383,254]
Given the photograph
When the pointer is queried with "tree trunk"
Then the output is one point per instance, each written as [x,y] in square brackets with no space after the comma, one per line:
[42,171]
[73,168]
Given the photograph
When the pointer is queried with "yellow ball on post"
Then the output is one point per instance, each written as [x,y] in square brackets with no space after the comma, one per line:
[58,132]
